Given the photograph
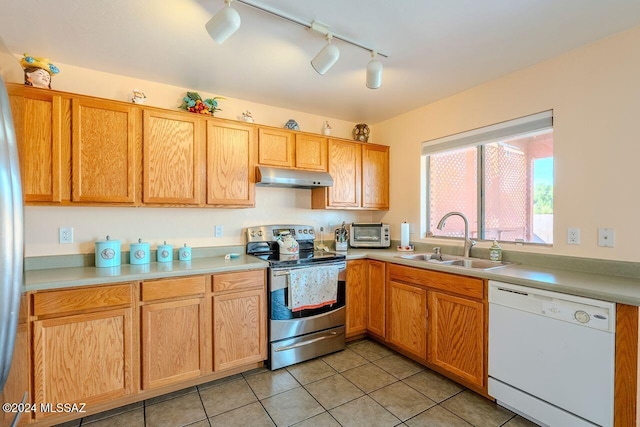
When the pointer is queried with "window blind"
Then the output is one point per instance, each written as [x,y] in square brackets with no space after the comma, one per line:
[493,133]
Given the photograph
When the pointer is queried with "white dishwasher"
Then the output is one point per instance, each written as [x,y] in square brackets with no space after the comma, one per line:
[551,355]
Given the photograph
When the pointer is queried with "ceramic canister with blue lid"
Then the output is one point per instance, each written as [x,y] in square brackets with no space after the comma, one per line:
[184,253]
[107,253]
[165,253]
[139,253]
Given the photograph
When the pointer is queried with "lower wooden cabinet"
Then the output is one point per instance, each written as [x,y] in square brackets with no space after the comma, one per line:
[407,318]
[376,300]
[356,298]
[83,358]
[173,322]
[82,345]
[456,336]
[239,319]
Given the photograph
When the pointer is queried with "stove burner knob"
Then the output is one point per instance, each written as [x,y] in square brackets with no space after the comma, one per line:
[299,231]
[311,231]
[253,234]
[260,233]
[305,231]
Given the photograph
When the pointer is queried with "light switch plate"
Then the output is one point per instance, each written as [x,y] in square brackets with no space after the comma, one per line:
[605,237]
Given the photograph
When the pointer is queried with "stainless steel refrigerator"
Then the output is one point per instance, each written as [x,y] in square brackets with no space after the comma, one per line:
[11,236]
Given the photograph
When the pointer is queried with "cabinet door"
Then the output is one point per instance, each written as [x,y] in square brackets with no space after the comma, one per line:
[311,152]
[356,295]
[407,317]
[103,146]
[172,158]
[344,168]
[173,342]
[82,358]
[456,336]
[376,298]
[18,380]
[276,147]
[239,325]
[375,176]
[38,122]
[230,164]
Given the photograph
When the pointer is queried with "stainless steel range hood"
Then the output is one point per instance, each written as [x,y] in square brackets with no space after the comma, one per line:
[291,178]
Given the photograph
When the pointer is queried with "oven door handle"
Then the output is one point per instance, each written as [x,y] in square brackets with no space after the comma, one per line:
[329,335]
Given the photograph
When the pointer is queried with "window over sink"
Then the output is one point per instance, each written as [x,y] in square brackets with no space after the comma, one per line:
[499,176]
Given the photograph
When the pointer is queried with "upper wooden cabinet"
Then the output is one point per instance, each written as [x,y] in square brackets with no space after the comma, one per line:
[311,152]
[276,147]
[103,151]
[230,164]
[375,176]
[360,175]
[288,149]
[40,122]
[172,158]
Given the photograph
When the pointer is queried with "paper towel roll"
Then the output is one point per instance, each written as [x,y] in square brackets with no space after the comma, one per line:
[404,234]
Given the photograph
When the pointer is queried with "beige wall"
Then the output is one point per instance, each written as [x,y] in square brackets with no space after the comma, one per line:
[594,92]
[193,226]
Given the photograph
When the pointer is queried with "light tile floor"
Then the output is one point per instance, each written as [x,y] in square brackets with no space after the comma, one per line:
[365,385]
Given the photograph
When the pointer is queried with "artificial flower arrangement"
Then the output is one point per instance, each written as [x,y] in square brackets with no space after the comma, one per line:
[194,103]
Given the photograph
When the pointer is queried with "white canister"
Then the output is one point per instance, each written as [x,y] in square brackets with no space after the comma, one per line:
[184,253]
[165,253]
[139,253]
[107,253]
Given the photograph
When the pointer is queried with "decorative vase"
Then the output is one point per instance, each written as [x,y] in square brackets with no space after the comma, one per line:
[361,132]
[292,124]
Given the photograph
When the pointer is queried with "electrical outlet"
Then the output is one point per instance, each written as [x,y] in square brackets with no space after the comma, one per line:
[605,237]
[218,231]
[65,235]
[573,236]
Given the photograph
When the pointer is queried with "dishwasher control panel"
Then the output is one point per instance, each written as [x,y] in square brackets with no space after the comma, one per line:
[578,310]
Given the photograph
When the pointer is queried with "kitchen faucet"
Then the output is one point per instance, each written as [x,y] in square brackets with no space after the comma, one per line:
[468,243]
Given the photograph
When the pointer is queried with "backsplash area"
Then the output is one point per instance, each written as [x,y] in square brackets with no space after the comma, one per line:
[194,226]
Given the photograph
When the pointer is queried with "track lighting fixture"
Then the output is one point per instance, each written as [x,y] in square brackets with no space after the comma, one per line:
[227,21]
[223,24]
[374,72]
[326,57]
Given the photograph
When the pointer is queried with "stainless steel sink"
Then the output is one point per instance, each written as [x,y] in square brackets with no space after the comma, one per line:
[456,261]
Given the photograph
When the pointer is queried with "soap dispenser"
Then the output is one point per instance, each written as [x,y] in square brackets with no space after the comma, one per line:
[495,251]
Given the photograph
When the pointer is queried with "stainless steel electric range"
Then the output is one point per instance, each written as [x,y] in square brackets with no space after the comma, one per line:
[301,331]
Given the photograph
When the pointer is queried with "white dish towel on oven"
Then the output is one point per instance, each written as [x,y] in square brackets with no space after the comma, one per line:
[313,287]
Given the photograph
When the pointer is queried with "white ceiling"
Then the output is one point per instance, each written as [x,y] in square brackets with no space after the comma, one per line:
[436,47]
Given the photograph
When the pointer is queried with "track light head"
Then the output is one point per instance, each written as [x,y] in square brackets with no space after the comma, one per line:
[223,24]
[374,73]
[325,58]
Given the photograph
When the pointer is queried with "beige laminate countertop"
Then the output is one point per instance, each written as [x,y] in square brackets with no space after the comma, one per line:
[598,286]
[56,278]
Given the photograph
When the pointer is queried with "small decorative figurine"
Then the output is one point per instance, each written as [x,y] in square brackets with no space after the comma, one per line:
[326,128]
[361,132]
[247,117]
[38,71]
[194,103]
[292,124]
[138,97]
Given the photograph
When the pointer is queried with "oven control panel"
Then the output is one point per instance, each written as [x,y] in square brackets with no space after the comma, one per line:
[269,233]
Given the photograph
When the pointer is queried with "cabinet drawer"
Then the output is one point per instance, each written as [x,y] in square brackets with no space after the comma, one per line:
[239,280]
[454,283]
[91,298]
[172,288]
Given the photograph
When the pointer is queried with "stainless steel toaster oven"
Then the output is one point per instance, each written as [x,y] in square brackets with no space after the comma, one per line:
[369,235]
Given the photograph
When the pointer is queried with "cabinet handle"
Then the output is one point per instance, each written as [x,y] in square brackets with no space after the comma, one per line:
[330,335]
